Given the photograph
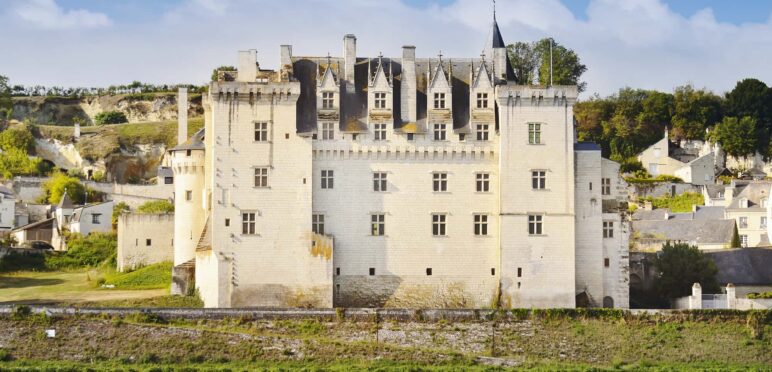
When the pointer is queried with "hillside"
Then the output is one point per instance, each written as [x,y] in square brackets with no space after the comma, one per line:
[556,340]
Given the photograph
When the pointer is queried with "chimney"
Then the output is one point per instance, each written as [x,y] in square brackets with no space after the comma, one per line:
[182,115]
[76,132]
[247,66]
[286,55]
[350,59]
[408,85]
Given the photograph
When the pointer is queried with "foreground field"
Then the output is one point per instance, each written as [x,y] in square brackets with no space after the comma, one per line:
[63,287]
[143,341]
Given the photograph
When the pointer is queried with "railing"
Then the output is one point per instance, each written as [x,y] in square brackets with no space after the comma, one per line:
[714,301]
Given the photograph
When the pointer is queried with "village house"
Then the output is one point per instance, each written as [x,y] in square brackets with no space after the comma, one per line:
[688,163]
[380,181]
[706,228]
[746,202]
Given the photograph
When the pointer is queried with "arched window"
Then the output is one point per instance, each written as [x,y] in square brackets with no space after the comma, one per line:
[608,302]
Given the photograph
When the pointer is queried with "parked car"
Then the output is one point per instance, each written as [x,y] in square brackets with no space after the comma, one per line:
[37,244]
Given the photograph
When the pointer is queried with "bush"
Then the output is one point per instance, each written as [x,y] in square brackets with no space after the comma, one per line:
[110,117]
[55,187]
[156,206]
[117,210]
[17,137]
[678,203]
[16,162]
[760,295]
[15,261]
[88,251]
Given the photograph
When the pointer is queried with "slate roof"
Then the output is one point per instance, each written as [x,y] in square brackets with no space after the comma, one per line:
[713,190]
[753,191]
[743,266]
[195,142]
[165,172]
[6,191]
[77,213]
[652,215]
[701,213]
[697,231]
[586,146]
[34,224]
[66,202]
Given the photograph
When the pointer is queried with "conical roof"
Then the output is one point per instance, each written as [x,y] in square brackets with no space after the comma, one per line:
[66,202]
[496,40]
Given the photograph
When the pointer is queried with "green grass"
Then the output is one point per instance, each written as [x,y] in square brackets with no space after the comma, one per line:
[157,302]
[149,277]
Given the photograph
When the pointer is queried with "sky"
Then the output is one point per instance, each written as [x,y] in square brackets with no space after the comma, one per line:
[650,44]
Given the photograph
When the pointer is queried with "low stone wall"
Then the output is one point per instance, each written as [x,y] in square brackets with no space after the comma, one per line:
[144,239]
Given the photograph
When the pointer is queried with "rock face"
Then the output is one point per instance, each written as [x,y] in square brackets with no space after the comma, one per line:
[137,107]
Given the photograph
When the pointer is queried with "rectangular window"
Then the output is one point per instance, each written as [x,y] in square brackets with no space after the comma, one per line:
[481,224]
[379,181]
[534,133]
[261,132]
[227,222]
[744,241]
[377,224]
[439,100]
[482,100]
[328,131]
[410,136]
[608,229]
[763,222]
[248,223]
[428,271]
[317,223]
[461,137]
[606,262]
[380,132]
[483,182]
[519,272]
[168,180]
[605,186]
[188,195]
[440,132]
[372,271]
[95,218]
[482,132]
[148,242]
[538,180]
[440,181]
[535,224]
[380,100]
[743,222]
[261,177]
[327,100]
[438,224]
[327,179]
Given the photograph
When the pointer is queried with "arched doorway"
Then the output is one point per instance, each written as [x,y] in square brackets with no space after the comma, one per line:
[608,302]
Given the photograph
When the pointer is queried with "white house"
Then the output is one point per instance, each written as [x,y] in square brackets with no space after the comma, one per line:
[90,218]
[689,164]
[7,209]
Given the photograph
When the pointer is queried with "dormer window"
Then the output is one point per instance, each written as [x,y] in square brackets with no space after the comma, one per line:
[482,100]
[439,100]
[720,195]
[328,100]
[764,203]
[743,203]
[380,100]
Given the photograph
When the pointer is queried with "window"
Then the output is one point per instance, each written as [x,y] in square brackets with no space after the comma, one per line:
[317,223]
[482,132]
[248,223]
[763,222]
[608,229]
[227,222]
[606,262]
[95,218]
[481,224]
[379,181]
[744,241]
[261,177]
[743,203]
[720,195]
[410,136]
[327,100]
[535,224]
[440,181]
[534,133]
[461,137]
[168,180]
[482,100]
[328,131]
[327,179]
[188,195]
[372,271]
[148,242]
[438,224]
[337,271]
[380,100]
[764,203]
[483,182]
[439,132]
[380,132]
[377,224]
[439,100]
[261,132]
[429,271]
[605,186]
[519,272]
[188,152]
[538,180]
[743,222]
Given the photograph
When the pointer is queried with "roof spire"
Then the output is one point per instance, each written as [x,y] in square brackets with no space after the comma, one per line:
[494,10]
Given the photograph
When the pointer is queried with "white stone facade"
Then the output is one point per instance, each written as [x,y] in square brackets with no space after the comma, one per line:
[416,209]
[144,239]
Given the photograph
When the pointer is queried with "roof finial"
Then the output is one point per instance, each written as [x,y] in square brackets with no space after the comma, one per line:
[482,56]
[494,10]
[440,55]
[328,59]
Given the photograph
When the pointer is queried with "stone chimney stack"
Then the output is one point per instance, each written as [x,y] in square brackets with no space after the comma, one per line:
[182,115]
[76,132]
[286,55]
[247,66]
[408,85]
[349,60]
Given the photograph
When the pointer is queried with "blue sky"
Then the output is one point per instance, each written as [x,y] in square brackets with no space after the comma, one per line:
[653,44]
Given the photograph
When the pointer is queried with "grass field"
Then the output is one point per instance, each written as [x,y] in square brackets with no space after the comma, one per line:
[63,287]
[144,342]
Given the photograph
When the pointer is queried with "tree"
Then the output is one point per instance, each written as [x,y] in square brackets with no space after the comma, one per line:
[752,98]
[681,265]
[156,206]
[110,117]
[55,187]
[695,110]
[6,104]
[529,58]
[16,162]
[117,210]
[18,137]
[736,137]
[217,70]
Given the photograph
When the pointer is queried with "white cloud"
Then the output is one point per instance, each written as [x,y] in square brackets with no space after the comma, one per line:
[638,43]
[47,15]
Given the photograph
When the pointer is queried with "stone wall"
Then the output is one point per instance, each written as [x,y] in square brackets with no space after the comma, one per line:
[135,231]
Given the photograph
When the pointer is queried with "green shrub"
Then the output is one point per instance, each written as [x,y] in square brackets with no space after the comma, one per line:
[678,203]
[117,210]
[88,251]
[150,277]
[110,117]
[156,206]
[55,187]
[15,261]
[760,295]
[18,137]
[16,162]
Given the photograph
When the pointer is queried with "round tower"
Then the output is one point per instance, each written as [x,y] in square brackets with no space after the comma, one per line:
[188,166]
